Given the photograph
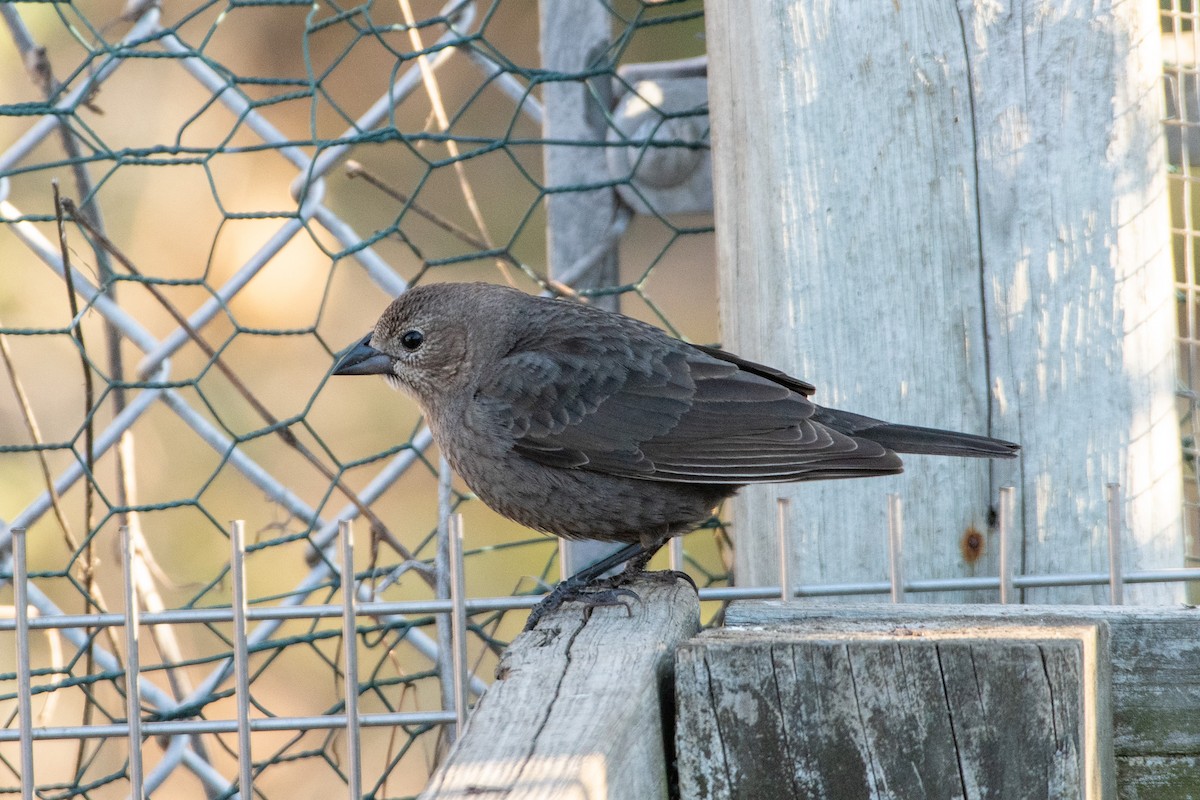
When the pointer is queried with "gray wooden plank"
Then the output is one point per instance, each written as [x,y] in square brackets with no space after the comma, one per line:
[1158,778]
[910,215]
[1019,711]
[576,709]
[1154,656]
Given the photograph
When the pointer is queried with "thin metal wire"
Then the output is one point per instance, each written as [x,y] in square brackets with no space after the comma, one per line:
[157,351]
[75,630]
[24,671]
[194,727]
[1004,524]
[241,658]
[458,624]
[895,531]
[785,549]
[191,727]
[384,276]
[48,123]
[350,640]
[76,470]
[133,668]
[83,640]
[1116,588]
[53,619]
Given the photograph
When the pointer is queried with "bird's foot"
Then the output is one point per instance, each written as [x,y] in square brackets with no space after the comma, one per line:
[593,596]
[586,586]
[608,597]
[670,576]
[628,575]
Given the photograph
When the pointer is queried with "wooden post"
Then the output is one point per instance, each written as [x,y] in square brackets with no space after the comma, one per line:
[1153,652]
[576,36]
[576,711]
[954,215]
[936,711]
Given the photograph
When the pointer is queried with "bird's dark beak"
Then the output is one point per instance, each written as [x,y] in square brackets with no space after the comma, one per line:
[362,359]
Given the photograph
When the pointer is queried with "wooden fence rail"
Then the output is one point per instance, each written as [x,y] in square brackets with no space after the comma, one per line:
[800,700]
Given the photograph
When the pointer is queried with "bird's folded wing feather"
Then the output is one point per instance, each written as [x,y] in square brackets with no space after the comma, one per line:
[665,410]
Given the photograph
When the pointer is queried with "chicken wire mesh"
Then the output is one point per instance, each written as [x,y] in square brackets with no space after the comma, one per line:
[1182,128]
[201,203]
[242,188]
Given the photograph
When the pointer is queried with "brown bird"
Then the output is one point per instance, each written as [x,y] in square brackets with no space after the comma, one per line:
[588,424]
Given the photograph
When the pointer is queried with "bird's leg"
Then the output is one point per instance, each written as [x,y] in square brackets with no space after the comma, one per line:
[636,567]
[575,587]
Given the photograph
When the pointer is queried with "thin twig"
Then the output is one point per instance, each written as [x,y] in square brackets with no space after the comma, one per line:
[439,112]
[92,596]
[356,170]
[35,435]
[89,396]
[37,62]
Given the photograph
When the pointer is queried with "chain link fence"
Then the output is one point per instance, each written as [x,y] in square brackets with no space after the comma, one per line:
[200,204]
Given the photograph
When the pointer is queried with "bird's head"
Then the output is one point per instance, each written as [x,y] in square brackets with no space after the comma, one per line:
[425,343]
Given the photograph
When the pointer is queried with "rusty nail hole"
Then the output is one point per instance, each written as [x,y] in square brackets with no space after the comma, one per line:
[972,544]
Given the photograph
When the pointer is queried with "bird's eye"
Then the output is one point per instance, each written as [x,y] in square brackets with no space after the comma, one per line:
[411,340]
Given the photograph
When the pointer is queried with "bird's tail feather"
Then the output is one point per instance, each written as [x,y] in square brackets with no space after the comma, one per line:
[932,441]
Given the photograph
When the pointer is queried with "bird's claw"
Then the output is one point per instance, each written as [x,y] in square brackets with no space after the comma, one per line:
[607,597]
[666,576]
[598,593]
[592,597]
[670,576]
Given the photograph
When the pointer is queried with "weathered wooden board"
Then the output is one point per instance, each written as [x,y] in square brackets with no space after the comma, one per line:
[1158,778]
[1001,712]
[576,709]
[1155,653]
[954,214]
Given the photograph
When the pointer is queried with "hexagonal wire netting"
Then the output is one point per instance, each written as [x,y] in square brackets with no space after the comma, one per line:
[200,204]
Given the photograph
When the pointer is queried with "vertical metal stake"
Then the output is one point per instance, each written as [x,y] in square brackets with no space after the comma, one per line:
[896,546]
[441,563]
[564,559]
[1116,584]
[458,623]
[133,669]
[785,549]
[350,641]
[241,658]
[675,553]
[1004,526]
[24,672]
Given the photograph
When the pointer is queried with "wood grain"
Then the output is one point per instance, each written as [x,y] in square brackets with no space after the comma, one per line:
[943,711]
[576,710]
[1153,656]
[953,214]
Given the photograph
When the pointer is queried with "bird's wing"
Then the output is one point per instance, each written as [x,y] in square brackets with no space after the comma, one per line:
[634,402]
